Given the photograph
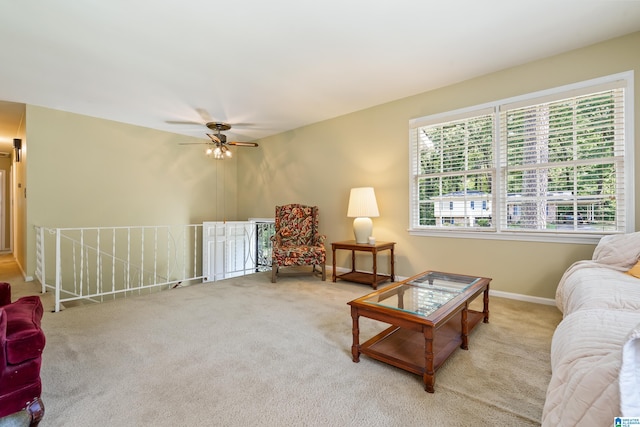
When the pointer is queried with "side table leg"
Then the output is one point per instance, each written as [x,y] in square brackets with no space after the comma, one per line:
[393,270]
[375,268]
[429,375]
[353,261]
[355,330]
[333,275]
[486,305]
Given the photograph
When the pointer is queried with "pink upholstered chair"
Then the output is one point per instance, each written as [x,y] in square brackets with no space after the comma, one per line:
[297,241]
[21,345]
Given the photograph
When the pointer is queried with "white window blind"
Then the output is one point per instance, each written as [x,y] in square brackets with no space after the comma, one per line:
[552,163]
[454,170]
[563,164]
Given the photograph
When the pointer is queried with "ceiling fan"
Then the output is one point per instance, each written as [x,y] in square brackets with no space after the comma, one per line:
[219,147]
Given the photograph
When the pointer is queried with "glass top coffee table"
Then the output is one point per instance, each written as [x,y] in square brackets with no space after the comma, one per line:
[429,316]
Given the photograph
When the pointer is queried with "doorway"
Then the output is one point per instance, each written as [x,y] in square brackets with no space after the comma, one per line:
[4,218]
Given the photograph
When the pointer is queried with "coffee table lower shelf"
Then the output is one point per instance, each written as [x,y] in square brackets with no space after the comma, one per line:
[405,348]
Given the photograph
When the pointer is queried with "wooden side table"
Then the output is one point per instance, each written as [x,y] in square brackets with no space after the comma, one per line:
[372,279]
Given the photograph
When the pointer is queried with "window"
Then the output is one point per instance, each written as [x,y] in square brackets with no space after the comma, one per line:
[549,165]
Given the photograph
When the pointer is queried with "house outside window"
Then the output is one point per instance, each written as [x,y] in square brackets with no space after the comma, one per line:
[555,165]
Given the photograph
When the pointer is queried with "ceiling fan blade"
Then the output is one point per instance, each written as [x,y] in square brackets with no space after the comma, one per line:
[204,114]
[194,143]
[182,122]
[243,144]
[214,138]
[243,125]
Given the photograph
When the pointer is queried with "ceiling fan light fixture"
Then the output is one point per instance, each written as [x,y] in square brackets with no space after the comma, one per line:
[218,146]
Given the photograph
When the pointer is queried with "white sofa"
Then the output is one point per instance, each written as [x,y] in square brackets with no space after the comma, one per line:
[595,351]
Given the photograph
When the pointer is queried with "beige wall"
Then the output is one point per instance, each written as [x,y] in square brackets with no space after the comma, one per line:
[82,171]
[85,172]
[318,164]
[20,203]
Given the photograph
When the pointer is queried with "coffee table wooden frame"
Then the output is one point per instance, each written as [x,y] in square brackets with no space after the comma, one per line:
[416,343]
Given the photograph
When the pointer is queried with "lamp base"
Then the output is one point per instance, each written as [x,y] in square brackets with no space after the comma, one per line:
[362,228]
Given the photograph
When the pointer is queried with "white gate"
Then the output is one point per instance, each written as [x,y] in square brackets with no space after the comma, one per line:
[229,249]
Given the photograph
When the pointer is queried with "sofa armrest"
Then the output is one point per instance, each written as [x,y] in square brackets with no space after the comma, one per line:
[24,337]
[5,294]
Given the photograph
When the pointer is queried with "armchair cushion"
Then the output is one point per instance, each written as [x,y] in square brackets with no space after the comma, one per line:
[299,255]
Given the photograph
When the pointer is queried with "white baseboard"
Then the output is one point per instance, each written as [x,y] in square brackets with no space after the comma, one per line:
[521,297]
[24,275]
[492,292]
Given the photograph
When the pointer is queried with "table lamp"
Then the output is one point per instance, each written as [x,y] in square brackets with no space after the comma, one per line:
[362,206]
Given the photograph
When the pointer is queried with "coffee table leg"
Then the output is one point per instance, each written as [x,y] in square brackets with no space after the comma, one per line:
[355,330]
[465,328]
[429,374]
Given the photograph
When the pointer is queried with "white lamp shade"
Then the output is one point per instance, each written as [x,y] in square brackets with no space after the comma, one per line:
[362,203]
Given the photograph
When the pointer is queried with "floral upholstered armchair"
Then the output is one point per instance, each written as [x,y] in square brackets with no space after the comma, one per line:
[296,240]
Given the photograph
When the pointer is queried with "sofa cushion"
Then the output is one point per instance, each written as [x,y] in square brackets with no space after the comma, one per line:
[586,357]
[25,338]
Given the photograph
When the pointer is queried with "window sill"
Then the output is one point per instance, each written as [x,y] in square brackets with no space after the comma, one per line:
[582,239]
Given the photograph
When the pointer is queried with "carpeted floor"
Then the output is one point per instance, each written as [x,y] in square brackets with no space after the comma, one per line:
[245,351]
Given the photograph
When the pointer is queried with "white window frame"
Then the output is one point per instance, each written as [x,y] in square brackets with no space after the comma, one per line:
[627,79]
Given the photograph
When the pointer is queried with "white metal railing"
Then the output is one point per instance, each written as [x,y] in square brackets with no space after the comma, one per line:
[104,262]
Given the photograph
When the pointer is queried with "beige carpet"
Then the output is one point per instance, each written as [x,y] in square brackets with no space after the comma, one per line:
[248,352]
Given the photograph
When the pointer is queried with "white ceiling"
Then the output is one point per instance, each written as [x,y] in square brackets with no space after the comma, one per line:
[275,65]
